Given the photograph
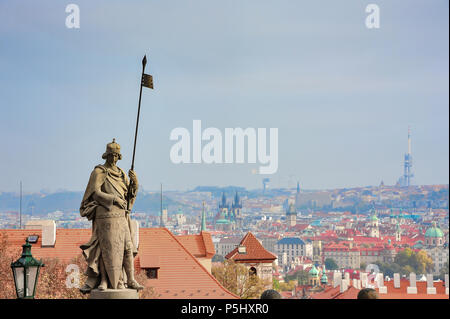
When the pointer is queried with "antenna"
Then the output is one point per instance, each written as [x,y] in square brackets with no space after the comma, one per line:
[20,207]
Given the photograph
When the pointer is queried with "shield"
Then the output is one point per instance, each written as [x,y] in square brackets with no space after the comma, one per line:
[112,235]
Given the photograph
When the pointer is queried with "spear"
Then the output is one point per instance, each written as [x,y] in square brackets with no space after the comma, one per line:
[147,81]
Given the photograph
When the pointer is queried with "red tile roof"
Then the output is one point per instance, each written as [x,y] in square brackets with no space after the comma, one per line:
[200,245]
[334,293]
[180,274]
[67,245]
[255,252]
[400,293]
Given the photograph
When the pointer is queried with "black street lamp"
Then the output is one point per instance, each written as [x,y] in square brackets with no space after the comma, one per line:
[26,271]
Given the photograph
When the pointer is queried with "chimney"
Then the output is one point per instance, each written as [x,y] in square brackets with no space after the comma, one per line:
[358,283]
[48,228]
[347,276]
[337,279]
[344,286]
[382,289]
[396,280]
[431,290]
[412,289]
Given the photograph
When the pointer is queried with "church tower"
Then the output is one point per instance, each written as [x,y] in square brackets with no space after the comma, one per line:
[203,225]
[236,208]
[398,233]
[291,215]
[223,207]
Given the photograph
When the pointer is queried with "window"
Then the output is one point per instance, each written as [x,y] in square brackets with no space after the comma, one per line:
[33,239]
[152,273]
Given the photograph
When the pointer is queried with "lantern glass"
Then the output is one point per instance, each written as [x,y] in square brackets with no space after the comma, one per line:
[19,281]
[31,273]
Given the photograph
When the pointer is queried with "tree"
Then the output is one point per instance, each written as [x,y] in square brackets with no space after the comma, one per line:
[330,264]
[408,261]
[147,292]
[7,290]
[287,286]
[389,269]
[424,263]
[301,276]
[276,284]
[239,280]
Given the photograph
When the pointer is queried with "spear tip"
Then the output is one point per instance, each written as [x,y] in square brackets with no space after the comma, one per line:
[144,60]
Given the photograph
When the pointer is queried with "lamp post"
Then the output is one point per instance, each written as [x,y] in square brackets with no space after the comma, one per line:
[26,271]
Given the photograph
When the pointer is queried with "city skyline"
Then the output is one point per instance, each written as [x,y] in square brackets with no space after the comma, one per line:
[342,96]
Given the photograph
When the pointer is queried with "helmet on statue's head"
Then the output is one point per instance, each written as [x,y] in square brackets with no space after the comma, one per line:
[112,148]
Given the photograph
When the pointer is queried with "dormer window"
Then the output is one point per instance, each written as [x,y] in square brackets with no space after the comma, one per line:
[33,239]
[242,249]
[152,273]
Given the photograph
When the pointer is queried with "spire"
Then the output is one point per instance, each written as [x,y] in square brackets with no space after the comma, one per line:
[203,227]
[223,203]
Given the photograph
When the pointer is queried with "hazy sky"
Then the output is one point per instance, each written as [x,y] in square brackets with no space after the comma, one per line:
[341,95]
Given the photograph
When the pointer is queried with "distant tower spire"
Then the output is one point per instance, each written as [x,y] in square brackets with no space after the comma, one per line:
[407,174]
[409,139]
[203,228]
[20,209]
[298,187]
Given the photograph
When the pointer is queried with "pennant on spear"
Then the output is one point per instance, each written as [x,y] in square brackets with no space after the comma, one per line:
[147,81]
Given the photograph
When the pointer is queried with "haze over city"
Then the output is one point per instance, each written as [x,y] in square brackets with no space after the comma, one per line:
[341,95]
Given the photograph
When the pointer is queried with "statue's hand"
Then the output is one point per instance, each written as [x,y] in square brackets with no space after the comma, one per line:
[133,177]
[122,203]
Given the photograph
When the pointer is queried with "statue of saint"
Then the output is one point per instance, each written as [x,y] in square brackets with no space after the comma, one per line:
[111,249]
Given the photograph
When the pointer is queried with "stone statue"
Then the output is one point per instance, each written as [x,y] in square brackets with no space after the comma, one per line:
[111,249]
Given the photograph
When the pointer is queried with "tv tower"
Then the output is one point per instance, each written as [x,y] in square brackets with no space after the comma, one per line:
[407,171]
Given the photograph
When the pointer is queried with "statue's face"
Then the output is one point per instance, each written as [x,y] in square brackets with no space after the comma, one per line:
[112,158]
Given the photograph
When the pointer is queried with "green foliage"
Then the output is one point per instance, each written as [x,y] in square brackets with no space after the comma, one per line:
[287,286]
[330,264]
[276,284]
[301,276]
[407,261]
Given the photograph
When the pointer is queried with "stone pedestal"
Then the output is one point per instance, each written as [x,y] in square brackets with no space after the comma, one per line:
[114,294]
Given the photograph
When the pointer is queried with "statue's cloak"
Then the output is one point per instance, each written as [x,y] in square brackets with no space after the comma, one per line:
[103,178]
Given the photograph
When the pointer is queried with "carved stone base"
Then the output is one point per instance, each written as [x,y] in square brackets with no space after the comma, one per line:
[114,294]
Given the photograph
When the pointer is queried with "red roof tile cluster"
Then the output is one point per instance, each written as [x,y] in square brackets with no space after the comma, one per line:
[67,245]
[335,293]
[180,274]
[200,245]
[255,252]
[401,293]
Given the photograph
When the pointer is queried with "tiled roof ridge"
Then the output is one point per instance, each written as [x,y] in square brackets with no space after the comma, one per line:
[247,236]
[198,263]
[209,249]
